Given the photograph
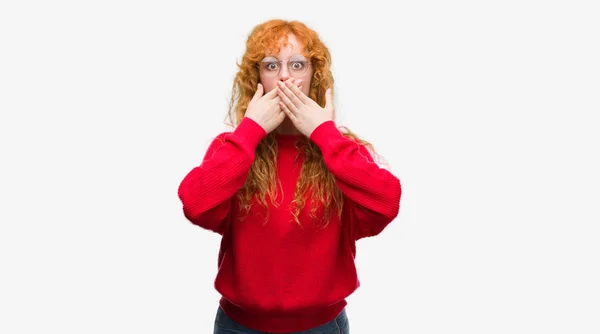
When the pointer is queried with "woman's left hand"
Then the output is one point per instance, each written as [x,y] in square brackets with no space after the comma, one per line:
[303,111]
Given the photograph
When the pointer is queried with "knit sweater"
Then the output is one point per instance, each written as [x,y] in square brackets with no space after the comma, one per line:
[278,276]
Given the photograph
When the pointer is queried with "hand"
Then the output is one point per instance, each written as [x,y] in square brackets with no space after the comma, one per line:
[265,109]
[304,112]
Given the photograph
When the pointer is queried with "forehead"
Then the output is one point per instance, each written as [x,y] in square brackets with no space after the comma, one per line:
[289,48]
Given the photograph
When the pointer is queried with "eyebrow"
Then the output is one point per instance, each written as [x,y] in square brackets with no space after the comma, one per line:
[294,55]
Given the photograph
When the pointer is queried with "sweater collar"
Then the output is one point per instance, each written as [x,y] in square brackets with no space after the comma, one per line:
[287,140]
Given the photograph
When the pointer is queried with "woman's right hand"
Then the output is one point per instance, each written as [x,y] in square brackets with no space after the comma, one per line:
[265,110]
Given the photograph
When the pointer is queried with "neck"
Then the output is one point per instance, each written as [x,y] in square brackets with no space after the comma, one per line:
[287,128]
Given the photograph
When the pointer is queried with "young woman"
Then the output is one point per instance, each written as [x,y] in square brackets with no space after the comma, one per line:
[289,192]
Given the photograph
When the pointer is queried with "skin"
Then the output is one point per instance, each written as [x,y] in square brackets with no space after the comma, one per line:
[286,108]
[285,53]
[306,115]
[270,83]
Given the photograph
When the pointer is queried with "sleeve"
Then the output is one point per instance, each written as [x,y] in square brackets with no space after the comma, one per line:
[207,190]
[373,192]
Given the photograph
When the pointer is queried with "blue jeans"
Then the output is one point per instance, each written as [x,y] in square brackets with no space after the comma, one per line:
[224,325]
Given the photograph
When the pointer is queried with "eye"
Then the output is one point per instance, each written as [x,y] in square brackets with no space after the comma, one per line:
[298,65]
[272,66]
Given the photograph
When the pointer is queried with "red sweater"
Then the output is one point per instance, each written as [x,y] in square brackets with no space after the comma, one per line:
[278,277]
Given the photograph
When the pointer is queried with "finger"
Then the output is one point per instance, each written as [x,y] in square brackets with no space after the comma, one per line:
[286,89]
[280,116]
[276,100]
[288,112]
[258,93]
[287,101]
[272,94]
[298,94]
[328,100]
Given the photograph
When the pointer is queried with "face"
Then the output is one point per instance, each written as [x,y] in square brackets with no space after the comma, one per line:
[290,62]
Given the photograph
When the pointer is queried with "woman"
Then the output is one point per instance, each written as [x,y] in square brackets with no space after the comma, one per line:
[289,193]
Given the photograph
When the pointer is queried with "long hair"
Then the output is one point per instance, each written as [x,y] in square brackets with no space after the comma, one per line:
[316,181]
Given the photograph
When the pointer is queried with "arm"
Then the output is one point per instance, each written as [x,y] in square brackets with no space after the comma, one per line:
[207,190]
[374,192]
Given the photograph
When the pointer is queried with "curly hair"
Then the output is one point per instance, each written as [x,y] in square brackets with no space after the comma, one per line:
[316,181]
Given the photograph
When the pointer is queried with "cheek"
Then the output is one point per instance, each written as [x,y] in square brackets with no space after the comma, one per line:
[306,81]
[306,87]
[268,83]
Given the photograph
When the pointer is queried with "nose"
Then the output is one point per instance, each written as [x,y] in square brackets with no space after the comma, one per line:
[284,74]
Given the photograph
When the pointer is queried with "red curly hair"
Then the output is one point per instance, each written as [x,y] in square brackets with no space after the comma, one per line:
[316,181]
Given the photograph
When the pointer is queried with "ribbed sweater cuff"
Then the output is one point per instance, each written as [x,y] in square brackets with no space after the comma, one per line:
[324,133]
[250,132]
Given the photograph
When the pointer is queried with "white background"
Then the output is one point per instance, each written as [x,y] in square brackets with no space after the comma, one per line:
[486,111]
